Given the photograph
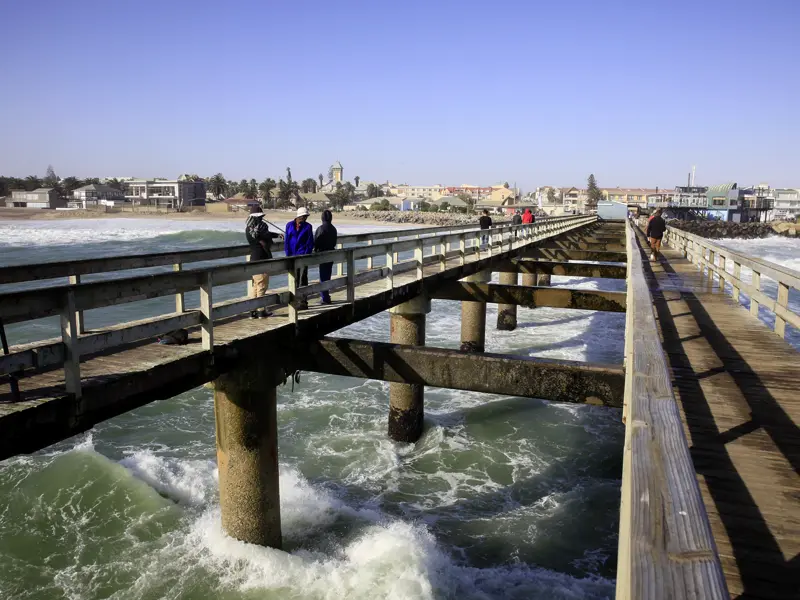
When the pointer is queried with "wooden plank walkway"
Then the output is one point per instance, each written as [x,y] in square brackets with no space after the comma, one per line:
[737,386]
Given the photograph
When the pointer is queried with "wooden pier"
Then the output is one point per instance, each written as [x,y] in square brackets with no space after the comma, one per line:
[710,498]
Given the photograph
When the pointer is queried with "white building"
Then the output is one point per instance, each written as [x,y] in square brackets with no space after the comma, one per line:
[787,203]
[165,193]
[94,193]
[426,192]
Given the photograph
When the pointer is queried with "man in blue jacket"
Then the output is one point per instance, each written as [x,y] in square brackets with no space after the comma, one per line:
[299,239]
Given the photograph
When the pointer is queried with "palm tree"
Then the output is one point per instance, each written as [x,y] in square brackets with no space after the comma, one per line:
[218,186]
[320,179]
[288,174]
[356,179]
[70,184]
[32,182]
[249,189]
[233,187]
[264,190]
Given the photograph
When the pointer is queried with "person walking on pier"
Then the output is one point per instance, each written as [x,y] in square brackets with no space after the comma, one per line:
[656,227]
[260,239]
[324,240]
[485,223]
[299,240]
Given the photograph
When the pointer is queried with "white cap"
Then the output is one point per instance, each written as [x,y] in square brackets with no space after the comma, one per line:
[302,212]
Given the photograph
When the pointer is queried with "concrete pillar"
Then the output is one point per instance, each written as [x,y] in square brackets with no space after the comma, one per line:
[406,401]
[507,313]
[529,279]
[245,407]
[473,318]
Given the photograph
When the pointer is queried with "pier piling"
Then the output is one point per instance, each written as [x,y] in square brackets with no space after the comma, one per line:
[507,313]
[245,407]
[406,401]
[473,318]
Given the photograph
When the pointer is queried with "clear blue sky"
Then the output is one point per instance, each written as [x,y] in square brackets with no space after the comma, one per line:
[412,91]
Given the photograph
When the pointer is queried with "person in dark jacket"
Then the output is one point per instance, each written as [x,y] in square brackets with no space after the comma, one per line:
[299,240]
[325,240]
[655,233]
[486,223]
[260,239]
[517,218]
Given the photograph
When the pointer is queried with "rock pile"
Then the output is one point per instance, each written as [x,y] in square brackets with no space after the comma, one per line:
[421,218]
[725,229]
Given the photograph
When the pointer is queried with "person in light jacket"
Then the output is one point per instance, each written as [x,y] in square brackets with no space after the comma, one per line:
[299,240]
[324,240]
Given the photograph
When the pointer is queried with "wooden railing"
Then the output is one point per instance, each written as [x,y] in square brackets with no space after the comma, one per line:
[666,547]
[715,258]
[68,301]
[76,268]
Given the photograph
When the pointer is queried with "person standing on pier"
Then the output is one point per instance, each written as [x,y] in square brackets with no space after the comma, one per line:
[299,240]
[324,240]
[527,216]
[485,223]
[260,239]
[656,227]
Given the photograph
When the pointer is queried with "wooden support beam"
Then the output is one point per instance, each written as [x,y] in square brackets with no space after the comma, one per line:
[532,297]
[554,253]
[556,380]
[569,269]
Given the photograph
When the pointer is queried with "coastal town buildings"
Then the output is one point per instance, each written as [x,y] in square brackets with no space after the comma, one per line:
[96,192]
[38,198]
[787,203]
[166,193]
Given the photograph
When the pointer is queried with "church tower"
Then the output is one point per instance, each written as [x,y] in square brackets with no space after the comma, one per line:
[338,171]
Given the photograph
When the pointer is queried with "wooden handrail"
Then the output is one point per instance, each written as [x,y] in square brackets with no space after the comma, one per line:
[33,304]
[714,257]
[59,269]
[666,547]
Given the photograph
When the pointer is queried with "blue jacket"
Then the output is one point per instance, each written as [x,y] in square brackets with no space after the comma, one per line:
[298,242]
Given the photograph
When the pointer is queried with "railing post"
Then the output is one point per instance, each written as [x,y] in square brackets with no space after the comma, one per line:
[443,256]
[369,258]
[180,301]
[389,268]
[783,302]
[351,277]
[462,249]
[69,337]
[340,264]
[292,284]
[757,286]
[419,257]
[711,259]
[206,309]
[737,276]
[81,327]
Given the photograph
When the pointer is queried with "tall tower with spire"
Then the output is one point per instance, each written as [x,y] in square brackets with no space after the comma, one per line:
[338,172]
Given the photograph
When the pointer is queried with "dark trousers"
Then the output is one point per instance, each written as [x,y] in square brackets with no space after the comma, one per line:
[325,271]
[302,277]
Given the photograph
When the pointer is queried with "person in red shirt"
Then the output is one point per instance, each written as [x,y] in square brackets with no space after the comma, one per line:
[527,216]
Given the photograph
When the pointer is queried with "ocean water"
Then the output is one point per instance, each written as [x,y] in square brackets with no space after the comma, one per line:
[501,498]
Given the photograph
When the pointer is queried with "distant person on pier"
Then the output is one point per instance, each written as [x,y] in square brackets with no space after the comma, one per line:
[656,227]
[299,240]
[260,239]
[516,220]
[325,239]
[485,223]
[527,216]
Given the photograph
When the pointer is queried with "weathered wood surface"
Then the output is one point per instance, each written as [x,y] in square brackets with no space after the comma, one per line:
[666,548]
[533,296]
[549,379]
[550,252]
[569,269]
[737,390]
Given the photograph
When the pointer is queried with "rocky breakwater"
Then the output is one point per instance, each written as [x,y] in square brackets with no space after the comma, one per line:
[725,229]
[421,218]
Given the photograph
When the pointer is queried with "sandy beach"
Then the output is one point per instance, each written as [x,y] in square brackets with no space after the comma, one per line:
[277,216]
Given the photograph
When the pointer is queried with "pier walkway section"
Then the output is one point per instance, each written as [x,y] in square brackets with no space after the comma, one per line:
[736,383]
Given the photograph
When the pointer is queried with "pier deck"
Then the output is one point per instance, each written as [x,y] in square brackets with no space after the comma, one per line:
[736,385]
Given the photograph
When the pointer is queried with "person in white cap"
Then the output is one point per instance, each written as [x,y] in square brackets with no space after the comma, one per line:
[260,239]
[299,239]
